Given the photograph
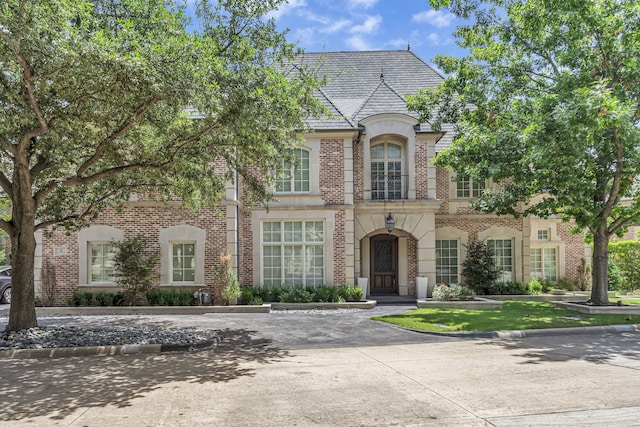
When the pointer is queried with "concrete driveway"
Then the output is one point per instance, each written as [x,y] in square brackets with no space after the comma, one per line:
[331,369]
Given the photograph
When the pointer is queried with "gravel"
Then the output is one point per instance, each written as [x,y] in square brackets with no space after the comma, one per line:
[72,336]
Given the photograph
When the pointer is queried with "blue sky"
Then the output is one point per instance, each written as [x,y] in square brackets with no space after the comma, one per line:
[345,25]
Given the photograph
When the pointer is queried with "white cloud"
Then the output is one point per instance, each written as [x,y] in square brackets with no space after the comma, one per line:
[436,18]
[336,26]
[358,43]
[365,4]
[286,8]
[370,25]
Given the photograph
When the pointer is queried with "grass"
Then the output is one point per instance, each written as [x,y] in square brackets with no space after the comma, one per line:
[514,315]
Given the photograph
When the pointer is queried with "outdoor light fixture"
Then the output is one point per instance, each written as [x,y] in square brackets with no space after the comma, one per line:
[389,223]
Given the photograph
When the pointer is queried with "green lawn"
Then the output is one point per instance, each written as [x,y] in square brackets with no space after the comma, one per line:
[514,315]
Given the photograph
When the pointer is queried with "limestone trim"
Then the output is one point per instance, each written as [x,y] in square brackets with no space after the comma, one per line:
[181,234]
[259,216]
[94,234]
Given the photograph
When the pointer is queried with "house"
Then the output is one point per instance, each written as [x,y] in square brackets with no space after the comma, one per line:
[364,201]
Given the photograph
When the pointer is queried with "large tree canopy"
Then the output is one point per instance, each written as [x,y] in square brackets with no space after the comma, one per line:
[546,104]
[103,98]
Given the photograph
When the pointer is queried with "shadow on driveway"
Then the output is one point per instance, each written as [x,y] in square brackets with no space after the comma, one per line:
[56,388]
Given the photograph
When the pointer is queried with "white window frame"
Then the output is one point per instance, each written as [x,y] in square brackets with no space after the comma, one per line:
[172,267]
[502,278]
[290,172]
[473,188]
[283,243]
[542,274]
[386,160]
[181,234]
[98,234]
[448,280]
[90,246]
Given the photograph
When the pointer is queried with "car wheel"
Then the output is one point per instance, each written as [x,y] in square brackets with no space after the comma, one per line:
[6,296]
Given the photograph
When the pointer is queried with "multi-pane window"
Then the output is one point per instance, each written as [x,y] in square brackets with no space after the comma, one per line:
[467,188]
[294,177]
[386,171]
[544,263]
[183,262]
[543,234]
[447,261]
[293,253]
[101,268]
[503,259]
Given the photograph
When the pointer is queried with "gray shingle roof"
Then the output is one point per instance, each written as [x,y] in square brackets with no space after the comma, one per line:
[365,83]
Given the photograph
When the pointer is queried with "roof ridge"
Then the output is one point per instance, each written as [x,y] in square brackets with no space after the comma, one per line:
[347,119]
[366,101]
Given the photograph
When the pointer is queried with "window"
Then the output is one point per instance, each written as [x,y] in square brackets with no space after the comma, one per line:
[467,188]
[503,259]
[183,262]
[447,261]
[386,172]
[293,253]
[101,262]
[543,234]
[544,263]
[294,177]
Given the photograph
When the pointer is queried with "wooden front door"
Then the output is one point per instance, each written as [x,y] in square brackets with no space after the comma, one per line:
[384,265]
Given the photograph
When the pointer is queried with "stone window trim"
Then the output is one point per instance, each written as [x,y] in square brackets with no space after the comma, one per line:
[507,233]
[181,234]
[326,216]
[291,181]
[98,234]
[462,237]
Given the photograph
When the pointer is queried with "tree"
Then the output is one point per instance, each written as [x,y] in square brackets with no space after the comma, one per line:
[104,98]
[134,266]
[479,269]
[547,105]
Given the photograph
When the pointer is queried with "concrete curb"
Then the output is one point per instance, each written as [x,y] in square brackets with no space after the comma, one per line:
[105,350]
[536,332]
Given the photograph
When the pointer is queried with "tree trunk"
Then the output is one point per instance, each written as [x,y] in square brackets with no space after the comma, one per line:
[599,295]
[22,314]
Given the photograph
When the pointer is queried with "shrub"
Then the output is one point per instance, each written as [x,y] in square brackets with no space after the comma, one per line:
[97,299]
[452,292]
[296,294]
[534,287]
[626,256]
[80,299]
[135,264]
[479,268]
[616,282]
[247,294]
[509,288]
[269,293]
[325,294]
[226,275]
[566,284]
[171,297]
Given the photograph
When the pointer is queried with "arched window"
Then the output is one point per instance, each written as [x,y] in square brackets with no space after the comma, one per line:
[386,172]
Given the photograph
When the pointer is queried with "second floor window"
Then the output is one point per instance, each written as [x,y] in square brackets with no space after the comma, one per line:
[294,178]
[386,171]
[467,188]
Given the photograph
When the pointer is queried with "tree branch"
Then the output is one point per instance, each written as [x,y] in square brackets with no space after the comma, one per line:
[128,124]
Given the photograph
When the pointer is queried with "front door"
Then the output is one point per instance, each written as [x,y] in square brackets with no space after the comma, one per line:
[384,265]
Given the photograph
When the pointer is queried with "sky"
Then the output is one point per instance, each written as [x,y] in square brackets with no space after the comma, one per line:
[346,25]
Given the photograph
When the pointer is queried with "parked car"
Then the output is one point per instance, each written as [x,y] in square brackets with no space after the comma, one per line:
[5,285]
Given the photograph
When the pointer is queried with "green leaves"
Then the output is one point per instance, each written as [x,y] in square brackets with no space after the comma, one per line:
[102,99]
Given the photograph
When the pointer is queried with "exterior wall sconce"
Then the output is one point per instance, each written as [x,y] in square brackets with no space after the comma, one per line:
[389,223]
